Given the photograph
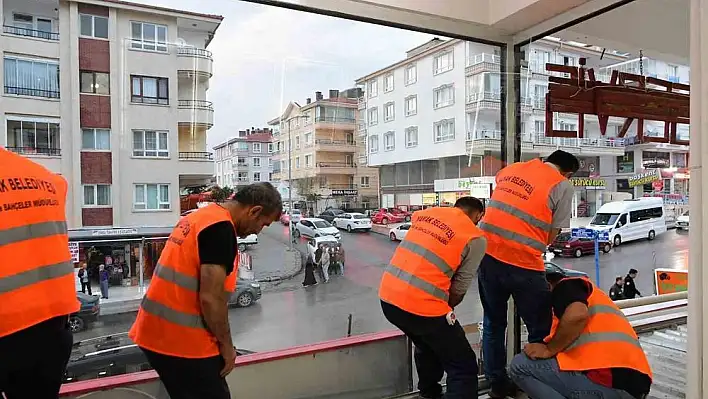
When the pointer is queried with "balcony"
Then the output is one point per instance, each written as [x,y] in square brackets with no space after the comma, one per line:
[335,168]
[50,158]
[537,142]
[362,103]
[363,160]
[195,165]
[32,92]
[191,61]
[198,112]
[491,100]
[239,165]
[335,145]
[30,33]
[335,122]
[482,63]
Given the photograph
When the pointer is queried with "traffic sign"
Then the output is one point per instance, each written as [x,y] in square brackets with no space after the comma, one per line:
[596,236]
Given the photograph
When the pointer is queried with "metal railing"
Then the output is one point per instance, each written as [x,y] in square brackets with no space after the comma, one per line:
[335,165]
[493,95]
[334,142]
[27,91]
[483,57]
[333,119]
[193,52]
[201,104]
[539,138]
[33,33]
[204,156]
[54,152]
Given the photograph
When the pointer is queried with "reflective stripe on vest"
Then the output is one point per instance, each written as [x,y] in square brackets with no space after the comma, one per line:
[429,256]
[32,231]
[510,209]
[417,282]
[589,338]
[516,237]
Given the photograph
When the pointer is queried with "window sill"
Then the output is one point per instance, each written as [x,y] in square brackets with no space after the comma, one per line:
[94,38]
[388,91]
[151,158]
[54,100]
[412,82]
[412,145]
[96,206]
[151,105]
[149,51]
[94,94]
[436,73]
[444,141]
[411,114]
[151,210]
[443,105]
[389,120]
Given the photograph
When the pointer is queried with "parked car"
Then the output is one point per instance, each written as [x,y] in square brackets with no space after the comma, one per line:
[327,241]
[295,215]
[330,214]
[244,243]
[247,292]
[383,216]
[399,212]
[399,233]
[87,314]
[566,245]
[552,267]
[352,221]
[316,227]
[682,222]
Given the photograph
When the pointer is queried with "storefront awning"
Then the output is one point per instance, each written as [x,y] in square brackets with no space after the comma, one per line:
[118,233]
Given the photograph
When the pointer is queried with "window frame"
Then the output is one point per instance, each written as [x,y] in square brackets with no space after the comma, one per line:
[372,87]
[409,143]
[95,198]
[253,162]
[271,148]
[361,182]
[308,157]
[29,91]
[159,100]
[255,180]
[140,44]
[157,149]
[451,63]
[407,111]
[93,82]
[257,145]
[443,122]
[374,138]
[392,135]
[160,203]
[374,111]
[393,82]
[392,116]
[93,26]
[94,132]
[409,67]
[450,102]
[53,147]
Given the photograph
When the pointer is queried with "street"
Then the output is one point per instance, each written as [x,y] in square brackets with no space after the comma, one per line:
[290,315]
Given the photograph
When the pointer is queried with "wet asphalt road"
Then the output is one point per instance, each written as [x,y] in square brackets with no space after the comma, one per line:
[289,315]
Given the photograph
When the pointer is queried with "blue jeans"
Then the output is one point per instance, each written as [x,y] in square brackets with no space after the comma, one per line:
[497,282]
[543,379]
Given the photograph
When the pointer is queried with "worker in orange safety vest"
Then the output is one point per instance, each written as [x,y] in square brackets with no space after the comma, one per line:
[592,347]
[529,206]
[37,286]
[182,325]
[427,277]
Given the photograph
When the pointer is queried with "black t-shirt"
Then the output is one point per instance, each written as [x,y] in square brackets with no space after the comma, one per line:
[217,245]
[632,381]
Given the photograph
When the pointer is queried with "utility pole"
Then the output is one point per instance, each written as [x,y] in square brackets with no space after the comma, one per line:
[290,184]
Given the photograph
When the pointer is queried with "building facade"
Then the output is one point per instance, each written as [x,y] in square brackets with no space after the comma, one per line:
[245,159]
[111,95]
[431,123]
[324,158]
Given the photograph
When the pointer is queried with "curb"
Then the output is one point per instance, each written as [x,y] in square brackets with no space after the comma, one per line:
[297,255]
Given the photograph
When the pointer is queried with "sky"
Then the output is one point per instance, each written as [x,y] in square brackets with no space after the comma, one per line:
[265,57]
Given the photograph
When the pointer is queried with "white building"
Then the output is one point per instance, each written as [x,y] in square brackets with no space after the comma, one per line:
[112,95]
[436,116]
[245,159]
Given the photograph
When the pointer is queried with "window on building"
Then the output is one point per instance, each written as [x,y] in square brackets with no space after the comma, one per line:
[149,90]
[30,26]
[26,77]
[410,74]
[374,144]
[308,139]
[411,105]
[270,162]
[241,161]
[96,139]
[33,136]
[150,144]
[256,176]
[150,197]
[297,162]
[539,127]
[389,141]
[242,147]
[443,62]
[242,177]
[389,111]
[411,136]
[94,82]
[297,142]
[270,148]
[444,130]
[364,182]
[270,176]
[308,161]
[388,83]
[148,37]
[97,195]
[93,26]
[373,88]
[570,127]
[373,116]
[443,96]
[256,147]
[257,162]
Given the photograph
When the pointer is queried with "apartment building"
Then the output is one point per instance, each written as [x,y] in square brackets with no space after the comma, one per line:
[324,152]
[112,95]
[431,122]
[245,159]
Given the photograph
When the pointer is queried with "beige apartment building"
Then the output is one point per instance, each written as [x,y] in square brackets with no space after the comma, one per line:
[324,158]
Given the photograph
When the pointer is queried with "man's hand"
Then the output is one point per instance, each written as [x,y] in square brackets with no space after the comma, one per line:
[538,351]
[229,355]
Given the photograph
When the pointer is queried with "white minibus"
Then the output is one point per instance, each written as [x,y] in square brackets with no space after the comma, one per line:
[631,219]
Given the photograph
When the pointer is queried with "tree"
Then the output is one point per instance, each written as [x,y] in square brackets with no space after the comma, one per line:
[306,188]
[228,192]
[218,194]
[196,189]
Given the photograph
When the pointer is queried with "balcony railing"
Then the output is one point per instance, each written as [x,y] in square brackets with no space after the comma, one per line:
[27,91]
[193,52]
[239,165]
[494,95]
[362,103]
[203,156]
[201,104]
[38,34]
[538,138]
[331,119]
[334,142]
[484,57]
[54,152]
[335,165]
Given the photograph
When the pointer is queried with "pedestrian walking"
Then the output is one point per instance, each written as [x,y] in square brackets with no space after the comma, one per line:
[103,277]
[309,273]
[324,264]
[531,203]
[182,325]
[38,287]
[425,280]
[630,289]
[84,277]
[592,350]
[617,290]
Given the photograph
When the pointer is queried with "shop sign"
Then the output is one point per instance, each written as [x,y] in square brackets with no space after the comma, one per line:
[589,183]
[644,178]
[462,184]
[669,281]
[479,190]
[113,232]
[347,193]
[74,250]
[430,199]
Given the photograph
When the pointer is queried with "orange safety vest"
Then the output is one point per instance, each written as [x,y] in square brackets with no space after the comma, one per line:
[518,219]
[607,341]
[419,275]
[36,273]
[170,319]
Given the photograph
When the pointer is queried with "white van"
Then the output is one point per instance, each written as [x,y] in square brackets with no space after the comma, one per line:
[631,219]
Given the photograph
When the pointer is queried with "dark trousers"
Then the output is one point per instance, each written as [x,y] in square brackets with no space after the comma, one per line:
[190,378]
[532,296]
[33,361]
[86,285]
[439,347]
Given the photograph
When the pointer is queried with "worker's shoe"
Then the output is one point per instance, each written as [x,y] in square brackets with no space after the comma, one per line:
[503,390]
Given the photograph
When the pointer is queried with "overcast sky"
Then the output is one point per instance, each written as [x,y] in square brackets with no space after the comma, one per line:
[265,57]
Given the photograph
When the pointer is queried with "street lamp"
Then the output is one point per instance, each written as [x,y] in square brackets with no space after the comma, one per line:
[290,175]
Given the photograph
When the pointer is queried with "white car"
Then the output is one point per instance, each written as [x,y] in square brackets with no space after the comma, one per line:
[352,221]
[399,233]
[682,222]
[313,243]
[244,243]
[315,227]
